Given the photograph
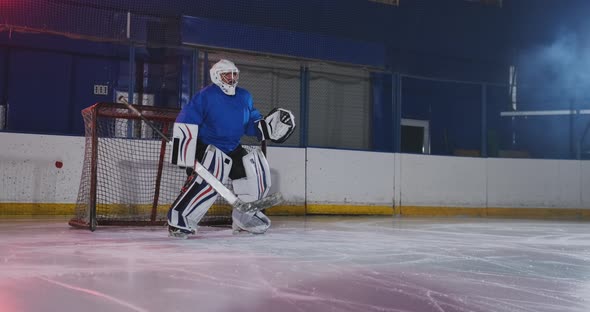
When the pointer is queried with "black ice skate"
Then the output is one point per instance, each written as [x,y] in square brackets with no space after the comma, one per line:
[178,232]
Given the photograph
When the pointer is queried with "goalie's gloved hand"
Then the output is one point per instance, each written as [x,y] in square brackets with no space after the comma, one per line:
[277,126]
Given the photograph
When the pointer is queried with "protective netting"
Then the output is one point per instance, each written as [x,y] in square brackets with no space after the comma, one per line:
[339,107]
[126,178]
[94,20]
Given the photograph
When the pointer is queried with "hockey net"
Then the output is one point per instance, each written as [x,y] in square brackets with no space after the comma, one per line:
[126,177]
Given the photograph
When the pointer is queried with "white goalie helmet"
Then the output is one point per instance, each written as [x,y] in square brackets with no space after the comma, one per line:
[225,74]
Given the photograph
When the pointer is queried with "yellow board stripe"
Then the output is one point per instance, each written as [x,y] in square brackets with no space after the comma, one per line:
[349,209]
[542,213]
[425,211]
[36,209]
[496,212]
[61,209]
[8,210]
[286,210]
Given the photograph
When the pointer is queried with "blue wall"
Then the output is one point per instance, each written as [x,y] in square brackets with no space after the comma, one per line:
[420,37]
[3,75]
[451,38]
[47,80]
[39,92]
[268,40]
[453,109]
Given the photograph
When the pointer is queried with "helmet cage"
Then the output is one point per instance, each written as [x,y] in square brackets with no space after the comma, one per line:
[225,74]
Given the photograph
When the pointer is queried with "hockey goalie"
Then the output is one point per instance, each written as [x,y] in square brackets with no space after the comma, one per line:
[208,130]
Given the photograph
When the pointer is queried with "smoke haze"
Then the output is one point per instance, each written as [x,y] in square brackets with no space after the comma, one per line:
[557,74]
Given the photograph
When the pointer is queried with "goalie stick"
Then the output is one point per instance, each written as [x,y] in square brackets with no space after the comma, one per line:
[229,196]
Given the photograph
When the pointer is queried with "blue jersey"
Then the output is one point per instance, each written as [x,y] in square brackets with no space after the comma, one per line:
[222,119]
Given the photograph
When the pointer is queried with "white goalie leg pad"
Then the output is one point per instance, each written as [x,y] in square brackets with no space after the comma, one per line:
[257,182]
[253,222]
[198,196]
[184,144]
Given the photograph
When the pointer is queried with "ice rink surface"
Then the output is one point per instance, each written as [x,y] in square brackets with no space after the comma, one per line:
[300,264]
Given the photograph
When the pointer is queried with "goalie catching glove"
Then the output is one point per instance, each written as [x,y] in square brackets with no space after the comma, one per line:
[277,126]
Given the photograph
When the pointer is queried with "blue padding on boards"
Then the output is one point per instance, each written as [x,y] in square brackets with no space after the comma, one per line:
[203,31]
[383,125]
[39,92]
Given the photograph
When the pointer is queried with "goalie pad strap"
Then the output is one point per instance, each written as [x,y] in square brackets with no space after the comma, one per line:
[263,127]
[184,144]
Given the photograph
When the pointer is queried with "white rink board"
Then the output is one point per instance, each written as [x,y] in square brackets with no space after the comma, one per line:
[287,167]
[585,184]
[29,175]
[442,181]
[534,183]
[349,177]
[28,171]
[328,176]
